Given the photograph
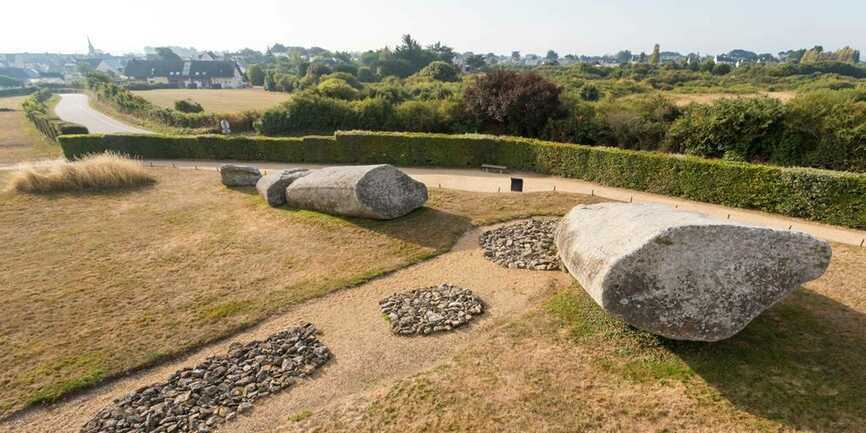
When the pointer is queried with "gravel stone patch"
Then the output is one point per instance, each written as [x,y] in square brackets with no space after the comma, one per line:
[201,398]
[523,245]
[431,309]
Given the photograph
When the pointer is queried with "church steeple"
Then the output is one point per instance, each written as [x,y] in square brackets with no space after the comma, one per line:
[90,50]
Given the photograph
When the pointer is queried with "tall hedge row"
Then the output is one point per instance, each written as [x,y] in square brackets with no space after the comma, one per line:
[831,197]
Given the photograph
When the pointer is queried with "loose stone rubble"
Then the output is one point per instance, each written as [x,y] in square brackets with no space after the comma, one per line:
[239,175]
[523,245]
[684,275]
[201,398]
[432,309]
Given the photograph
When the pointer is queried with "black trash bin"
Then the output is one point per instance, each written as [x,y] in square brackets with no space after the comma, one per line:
[516,184]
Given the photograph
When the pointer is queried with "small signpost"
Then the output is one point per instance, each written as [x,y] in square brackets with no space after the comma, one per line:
[516,184]
[226,127]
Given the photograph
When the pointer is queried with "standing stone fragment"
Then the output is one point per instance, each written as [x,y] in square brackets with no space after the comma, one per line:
[239,175]
[683,275]
[368,191]
[272,187]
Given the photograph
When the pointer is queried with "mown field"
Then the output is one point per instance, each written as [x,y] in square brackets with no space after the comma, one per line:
[684,99]
[19,140]
[97,284]
[217,100]
[569,367]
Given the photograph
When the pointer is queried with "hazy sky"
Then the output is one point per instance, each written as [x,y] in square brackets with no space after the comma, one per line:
[575,26]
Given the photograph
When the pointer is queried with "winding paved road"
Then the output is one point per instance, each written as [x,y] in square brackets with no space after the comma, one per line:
[73,107]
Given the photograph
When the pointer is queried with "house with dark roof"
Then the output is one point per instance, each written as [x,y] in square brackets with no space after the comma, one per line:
[207,74]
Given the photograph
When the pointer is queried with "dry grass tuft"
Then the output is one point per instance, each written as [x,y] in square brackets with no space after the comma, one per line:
[100,171]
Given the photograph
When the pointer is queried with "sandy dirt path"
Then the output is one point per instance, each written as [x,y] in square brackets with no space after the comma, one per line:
[366,354]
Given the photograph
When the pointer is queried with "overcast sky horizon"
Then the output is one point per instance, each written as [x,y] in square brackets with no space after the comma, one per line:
[569,27]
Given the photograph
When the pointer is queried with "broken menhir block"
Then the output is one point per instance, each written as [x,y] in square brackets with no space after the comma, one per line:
[683,275]
[368,191]
[239,175]
[272,187]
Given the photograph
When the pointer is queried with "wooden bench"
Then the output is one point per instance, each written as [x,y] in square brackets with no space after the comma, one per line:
[496,168]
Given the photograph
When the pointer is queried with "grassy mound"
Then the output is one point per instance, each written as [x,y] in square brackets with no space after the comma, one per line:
[100,171]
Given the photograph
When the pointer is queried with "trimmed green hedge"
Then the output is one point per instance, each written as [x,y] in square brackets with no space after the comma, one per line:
[48,124]
[831,197]
[52,127]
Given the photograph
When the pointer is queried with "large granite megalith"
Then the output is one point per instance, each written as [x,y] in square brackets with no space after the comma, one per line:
[683,275]
[239,175]
[368,191]
[272,187]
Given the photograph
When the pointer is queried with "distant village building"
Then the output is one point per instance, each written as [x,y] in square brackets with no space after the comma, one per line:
[208,74]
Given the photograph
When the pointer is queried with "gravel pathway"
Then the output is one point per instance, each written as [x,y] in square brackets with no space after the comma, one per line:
[365,354]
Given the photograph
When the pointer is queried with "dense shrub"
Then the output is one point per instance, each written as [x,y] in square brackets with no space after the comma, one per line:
[589,92]
[366,74]
[440,71]
[424,116]
[824,129]
[740,129]
[512,102]
[831,197]
[580,124]
[188,106]
[345,77]
[307,113]
[337,88]
[636,122]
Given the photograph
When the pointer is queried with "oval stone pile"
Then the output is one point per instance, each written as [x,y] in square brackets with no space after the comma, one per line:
[201,398]
[432,309]
[523,245]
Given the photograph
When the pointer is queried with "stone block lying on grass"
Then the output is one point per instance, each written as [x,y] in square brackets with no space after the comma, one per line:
[239,175]
[683,275]
[367,191]
[272,187]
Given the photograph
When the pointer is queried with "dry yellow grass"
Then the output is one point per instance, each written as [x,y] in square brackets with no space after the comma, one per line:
[94,285]
[19,140]
[217,100]
[706,98]
[93,172]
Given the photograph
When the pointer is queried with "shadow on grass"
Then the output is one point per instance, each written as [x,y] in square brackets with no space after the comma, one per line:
[87,193]
[802,363]
[426,227]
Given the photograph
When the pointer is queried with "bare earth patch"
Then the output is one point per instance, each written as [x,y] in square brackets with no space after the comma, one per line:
[97,284]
